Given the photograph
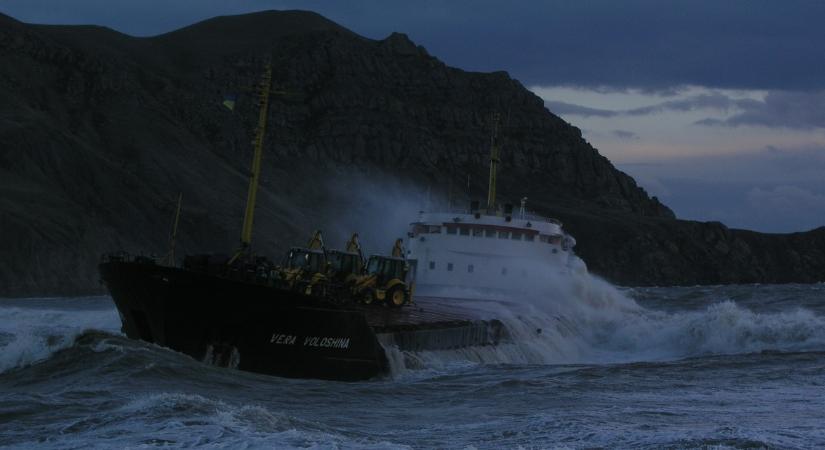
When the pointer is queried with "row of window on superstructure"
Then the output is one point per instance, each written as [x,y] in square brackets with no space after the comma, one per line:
[486,232]
[471,268]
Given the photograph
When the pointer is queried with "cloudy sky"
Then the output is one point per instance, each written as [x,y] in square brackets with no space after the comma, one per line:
[717,107]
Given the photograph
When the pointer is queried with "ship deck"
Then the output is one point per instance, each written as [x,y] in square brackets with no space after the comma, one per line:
[430,312]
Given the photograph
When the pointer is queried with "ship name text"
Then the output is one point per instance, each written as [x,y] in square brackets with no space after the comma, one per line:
[327,342]
[310,341]
[283,339]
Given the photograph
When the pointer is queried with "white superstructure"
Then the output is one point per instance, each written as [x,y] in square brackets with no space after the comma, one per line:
[501,253]
[490,249]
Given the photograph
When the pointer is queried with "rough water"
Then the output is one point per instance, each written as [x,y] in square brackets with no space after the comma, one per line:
[593,366]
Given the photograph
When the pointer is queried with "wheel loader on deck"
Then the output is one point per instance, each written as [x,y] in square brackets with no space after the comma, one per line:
[305,268]
[385,279]
[344,275]
[344,266]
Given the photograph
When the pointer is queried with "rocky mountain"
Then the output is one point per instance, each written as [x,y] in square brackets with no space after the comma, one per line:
[99,131]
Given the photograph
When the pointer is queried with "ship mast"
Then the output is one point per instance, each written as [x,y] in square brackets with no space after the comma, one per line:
[491,193]
[249,215]
[170,257]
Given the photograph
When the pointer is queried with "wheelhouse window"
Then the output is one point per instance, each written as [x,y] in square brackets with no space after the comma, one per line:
[490,233]
[451,229]
[465,231]
[503,234]
[344,262]
[529,237]
[516,235]
[385,268]
[420,228]
[478,232]
[311,261]
[373,265]
[449,267]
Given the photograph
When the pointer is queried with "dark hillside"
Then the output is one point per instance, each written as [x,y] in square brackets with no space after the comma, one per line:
[99,131]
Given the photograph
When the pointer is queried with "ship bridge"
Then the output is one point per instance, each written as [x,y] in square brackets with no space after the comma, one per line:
[488,252]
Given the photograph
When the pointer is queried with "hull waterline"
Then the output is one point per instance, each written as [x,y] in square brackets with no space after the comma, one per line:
[265,329]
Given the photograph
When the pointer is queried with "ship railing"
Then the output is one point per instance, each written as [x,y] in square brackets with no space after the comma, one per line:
[516,215]
[122,256]
[258,271]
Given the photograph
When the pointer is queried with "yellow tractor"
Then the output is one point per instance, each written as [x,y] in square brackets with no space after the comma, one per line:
[305,268]
[385,279]
[344,267]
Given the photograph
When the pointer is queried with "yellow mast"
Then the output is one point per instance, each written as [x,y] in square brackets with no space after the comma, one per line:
[491,193]
[170,257]
[260,131]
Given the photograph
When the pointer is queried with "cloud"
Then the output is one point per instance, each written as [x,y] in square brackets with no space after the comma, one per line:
[141,18]
[779,109]
[771,189]
[633,43]
[569,109]
[654,186]
[625,134]
[788,200]
[715,101]
[770,165]
[775,109]
[712,101]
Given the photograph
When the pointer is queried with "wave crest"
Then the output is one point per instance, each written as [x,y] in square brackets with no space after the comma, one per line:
[28,336]
[585,320]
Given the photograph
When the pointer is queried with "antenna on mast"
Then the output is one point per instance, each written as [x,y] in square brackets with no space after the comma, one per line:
[450,196]
[491,192]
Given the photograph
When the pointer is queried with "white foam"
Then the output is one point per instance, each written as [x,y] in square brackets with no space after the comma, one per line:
[192,420]
[32,335]
[584,320]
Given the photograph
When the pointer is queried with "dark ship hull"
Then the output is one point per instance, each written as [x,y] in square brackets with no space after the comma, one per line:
[244,323]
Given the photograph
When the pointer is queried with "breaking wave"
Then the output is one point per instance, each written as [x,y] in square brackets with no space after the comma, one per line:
[585,320]
[185,420]
[30,335]
[212,421]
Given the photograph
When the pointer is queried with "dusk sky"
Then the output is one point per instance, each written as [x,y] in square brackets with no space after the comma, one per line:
[716,107]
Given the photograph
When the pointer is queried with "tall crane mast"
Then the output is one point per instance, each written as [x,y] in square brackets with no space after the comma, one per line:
[491,192]
[264,91]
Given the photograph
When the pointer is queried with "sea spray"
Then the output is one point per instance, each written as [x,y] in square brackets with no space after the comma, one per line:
[107,391]
[29,335]
[577,318]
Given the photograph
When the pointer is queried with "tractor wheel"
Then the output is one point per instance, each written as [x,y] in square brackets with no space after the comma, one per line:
[317,290]
[396,297]
[367,297]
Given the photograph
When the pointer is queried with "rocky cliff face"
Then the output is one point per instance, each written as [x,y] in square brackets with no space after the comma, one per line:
[99,132]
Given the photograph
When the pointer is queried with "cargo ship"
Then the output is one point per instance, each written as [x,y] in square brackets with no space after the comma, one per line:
[334,314]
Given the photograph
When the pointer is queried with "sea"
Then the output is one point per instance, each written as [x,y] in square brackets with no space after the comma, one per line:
[595,366]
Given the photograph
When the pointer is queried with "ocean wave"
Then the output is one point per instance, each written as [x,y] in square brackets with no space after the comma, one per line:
[28,336]
[585,320]
[185,420]
[181,419]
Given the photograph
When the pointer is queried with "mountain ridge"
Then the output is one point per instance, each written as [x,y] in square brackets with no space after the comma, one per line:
[99,135]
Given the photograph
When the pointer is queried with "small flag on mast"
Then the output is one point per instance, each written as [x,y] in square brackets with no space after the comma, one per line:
[229,101]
